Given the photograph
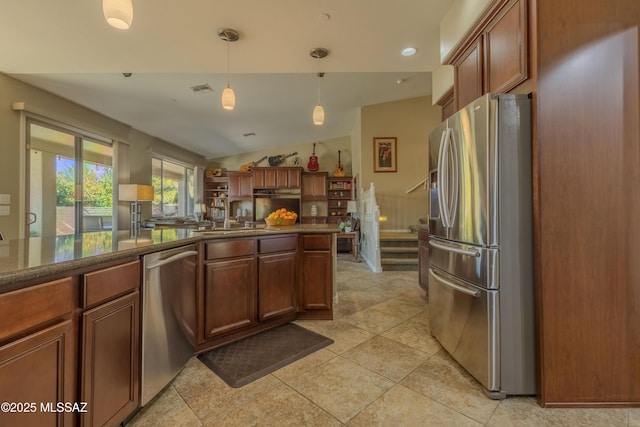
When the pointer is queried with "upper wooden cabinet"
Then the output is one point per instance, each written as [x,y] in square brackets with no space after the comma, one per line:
[314,186]
[277,177]
[240,185]
[468,74]
[506,48]
[494,56]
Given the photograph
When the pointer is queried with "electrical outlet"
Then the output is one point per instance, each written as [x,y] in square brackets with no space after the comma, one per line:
[4,211]
[5,199]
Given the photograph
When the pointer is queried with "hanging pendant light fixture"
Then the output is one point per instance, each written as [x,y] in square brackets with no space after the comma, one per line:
[228,96]
[318,110]
[118,13]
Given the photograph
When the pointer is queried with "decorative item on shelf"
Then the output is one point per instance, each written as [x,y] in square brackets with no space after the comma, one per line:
[118,13]
[228,96]
[313,164]
[279,159]
[135,193]
[338,171]
[384,154]
[248,167]
[213,172]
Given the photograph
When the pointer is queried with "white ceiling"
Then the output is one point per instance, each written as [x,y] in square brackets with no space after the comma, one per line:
[66,47]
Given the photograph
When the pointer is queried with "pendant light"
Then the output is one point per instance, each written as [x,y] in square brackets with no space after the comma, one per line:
[118,13]
[228,96]
[318,110]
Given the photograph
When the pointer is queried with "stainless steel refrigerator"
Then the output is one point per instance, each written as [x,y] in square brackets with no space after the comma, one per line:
[480,242]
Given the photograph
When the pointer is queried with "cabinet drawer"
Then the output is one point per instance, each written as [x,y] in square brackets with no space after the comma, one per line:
[277,244]
[319,242]
[25,308]
[103,285]
[229,248]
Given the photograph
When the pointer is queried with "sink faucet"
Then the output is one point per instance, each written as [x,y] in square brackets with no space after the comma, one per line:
[226,213]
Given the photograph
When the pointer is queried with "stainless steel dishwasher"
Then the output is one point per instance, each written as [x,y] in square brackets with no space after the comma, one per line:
[168,316]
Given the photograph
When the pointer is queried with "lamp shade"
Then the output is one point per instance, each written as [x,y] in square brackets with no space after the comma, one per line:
[352,206]
[228,99]
[135,192]
[118,13]
[318,115]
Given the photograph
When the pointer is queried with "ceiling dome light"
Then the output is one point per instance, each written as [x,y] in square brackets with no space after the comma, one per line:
[409,51]
[118,13]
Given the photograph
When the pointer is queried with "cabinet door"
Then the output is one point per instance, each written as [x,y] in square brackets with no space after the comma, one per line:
[317,278]
[234,185]
[282,178]
[294,177]
[468,75]
[111,360]
[276,285]
[40,368]
[270,178]
[229,295]
[246,185]
[258,178]
[314,186]
[506,50]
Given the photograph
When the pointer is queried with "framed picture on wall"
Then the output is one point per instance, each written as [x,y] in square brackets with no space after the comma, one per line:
[385,158]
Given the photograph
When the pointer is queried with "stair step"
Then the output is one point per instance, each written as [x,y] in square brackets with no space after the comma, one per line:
[399,264]
[402,249]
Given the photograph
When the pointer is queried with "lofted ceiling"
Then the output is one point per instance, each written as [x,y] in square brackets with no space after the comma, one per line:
[66,47]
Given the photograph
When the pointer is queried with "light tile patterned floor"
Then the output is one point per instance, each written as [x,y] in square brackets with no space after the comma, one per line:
[383,369]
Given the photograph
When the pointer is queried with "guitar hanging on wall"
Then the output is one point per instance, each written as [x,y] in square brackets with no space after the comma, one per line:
[313,165]
[338,171]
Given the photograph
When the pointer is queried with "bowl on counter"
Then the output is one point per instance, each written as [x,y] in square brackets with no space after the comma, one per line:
[279,222]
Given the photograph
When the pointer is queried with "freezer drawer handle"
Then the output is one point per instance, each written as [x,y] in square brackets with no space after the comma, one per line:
[171,259]
[458,288]
[468,252]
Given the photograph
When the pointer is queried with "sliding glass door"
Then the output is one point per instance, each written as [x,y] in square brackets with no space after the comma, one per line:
[70,181]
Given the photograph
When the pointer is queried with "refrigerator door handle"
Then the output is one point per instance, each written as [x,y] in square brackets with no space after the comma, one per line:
[449,283]
[444,179]
[441,179]
[452,184]
[469,252]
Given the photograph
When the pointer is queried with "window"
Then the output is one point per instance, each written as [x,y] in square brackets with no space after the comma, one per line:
[70,181]
[173,185]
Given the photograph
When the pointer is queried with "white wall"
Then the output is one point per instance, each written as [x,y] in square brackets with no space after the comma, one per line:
[457,21]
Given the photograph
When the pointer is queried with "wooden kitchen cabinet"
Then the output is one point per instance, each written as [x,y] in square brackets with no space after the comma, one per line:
[468,75]
[423,259]
[39,351]
[277,177]
[230,291]
[316,296]
[110,352]
[240,185]
[276,276]
[506,48]
[494,57]
[314,186]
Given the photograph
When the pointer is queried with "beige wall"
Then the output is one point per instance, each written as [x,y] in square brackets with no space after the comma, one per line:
[326,150]
[140,145]
[410,121]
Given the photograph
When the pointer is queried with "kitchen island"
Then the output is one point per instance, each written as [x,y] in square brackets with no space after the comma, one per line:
[71,307]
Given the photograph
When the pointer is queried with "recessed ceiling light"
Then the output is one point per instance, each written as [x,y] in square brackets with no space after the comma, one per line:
[409,51]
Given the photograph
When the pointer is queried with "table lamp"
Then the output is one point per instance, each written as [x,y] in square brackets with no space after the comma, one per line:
[135,193]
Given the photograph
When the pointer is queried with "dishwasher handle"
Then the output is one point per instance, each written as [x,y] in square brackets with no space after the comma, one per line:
[171,259]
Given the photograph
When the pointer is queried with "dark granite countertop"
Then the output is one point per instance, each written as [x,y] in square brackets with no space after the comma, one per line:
[27,260]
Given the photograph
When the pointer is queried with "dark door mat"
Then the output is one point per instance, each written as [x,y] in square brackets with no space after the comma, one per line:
[244,361]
